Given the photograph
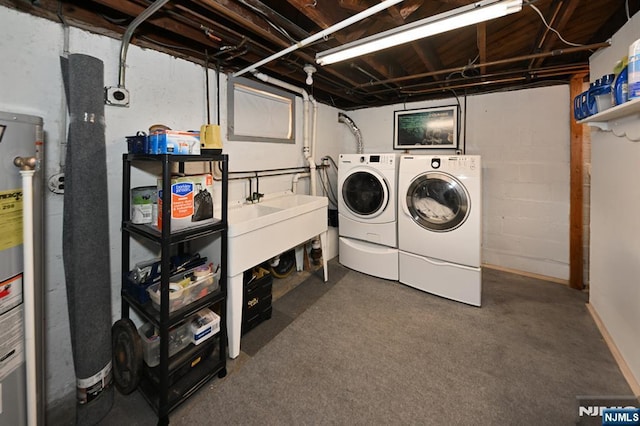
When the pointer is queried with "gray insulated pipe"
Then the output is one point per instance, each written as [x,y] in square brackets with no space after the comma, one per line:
[342,118]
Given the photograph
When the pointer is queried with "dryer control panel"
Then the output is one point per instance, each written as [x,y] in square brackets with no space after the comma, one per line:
[463,162]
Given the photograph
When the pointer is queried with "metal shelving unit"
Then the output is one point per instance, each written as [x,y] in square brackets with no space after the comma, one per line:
[176,378]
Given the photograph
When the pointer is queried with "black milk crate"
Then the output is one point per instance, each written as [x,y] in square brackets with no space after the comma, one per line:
[256,306]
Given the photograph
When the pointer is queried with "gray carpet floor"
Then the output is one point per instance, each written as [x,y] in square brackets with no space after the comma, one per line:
[361,350]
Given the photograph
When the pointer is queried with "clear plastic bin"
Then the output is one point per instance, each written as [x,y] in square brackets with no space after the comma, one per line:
[179,338]
[181,295]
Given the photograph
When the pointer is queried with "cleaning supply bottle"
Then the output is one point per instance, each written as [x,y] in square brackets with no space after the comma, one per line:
[621,87]
[634,70]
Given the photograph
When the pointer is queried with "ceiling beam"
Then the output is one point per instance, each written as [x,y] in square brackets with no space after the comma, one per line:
[162,21]
[562,10]
[481,41]
[555,52]
[235,13]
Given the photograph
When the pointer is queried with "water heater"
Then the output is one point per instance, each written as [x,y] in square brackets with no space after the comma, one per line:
[20,136]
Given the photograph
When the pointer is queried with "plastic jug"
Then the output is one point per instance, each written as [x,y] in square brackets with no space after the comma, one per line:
[602,93]
[589,106]
[577,107]
[621,87]
[634,70]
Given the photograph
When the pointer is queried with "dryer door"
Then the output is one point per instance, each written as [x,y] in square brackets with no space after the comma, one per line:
[438,202]
[365,193]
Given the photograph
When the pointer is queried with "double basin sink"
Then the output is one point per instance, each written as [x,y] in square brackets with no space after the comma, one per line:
[260,231]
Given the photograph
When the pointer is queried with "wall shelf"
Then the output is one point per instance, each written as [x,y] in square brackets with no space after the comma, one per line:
[622,120]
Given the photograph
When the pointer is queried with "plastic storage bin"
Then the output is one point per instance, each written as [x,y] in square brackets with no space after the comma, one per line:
[181,295]
[179,338]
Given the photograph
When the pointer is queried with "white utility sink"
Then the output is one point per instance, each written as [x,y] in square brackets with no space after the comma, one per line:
[257,232]
[246,217]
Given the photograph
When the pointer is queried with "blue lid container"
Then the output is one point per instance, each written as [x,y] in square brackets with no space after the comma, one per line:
[621,87]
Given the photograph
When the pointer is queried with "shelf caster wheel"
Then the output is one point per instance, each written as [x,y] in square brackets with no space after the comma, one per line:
[222,373]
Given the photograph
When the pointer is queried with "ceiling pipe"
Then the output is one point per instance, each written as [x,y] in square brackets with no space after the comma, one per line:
[488,64]
[537,72]
[322,34]
[126,37]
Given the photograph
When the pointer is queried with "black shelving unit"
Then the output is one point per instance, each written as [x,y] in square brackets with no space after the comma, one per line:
[178,377]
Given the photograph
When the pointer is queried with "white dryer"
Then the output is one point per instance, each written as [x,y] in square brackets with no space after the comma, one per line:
[367,211]
[439,225]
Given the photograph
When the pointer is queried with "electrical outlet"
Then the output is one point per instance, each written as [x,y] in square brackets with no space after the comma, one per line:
[56,183]
[116,96]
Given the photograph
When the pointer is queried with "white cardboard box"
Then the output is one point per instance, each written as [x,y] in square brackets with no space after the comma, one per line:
[204,324]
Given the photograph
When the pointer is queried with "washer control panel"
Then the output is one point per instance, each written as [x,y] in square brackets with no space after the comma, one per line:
[385,159]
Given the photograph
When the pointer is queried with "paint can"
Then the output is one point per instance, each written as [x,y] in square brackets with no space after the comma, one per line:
[143,199]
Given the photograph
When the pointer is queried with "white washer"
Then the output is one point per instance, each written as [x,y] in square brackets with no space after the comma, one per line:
[367,211]
[439,225]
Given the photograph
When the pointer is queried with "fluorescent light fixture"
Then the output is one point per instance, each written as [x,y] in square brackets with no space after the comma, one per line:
[443,22]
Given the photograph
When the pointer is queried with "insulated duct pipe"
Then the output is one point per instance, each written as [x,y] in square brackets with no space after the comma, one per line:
[126,37]
[343,118]
[322,34]
[308,146]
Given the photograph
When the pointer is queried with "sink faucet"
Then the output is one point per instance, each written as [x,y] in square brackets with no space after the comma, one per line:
[255,196]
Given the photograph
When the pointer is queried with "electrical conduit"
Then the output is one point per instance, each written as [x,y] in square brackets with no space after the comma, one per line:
[126,37]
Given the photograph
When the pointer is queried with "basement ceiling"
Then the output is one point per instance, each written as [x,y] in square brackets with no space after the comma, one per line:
[507,53]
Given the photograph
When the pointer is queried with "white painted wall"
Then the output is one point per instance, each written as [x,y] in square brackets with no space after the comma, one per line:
[163,90]
[615,223]
[523,138]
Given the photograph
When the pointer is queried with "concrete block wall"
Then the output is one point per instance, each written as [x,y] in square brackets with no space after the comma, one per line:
[523,137]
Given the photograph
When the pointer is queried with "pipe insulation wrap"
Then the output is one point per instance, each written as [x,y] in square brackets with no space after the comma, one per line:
[85,231]
[343,118]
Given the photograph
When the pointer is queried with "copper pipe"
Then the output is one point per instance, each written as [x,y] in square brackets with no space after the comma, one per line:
[551,72]
[544,72]
[463,86]
[555,52]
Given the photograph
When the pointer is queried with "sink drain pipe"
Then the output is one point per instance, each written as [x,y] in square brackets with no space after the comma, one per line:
[309,137]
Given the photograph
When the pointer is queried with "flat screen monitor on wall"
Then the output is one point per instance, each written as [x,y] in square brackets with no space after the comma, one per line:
[426,128]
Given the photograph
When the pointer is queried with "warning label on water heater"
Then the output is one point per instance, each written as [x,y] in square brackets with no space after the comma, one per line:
[10,218]
[11,345]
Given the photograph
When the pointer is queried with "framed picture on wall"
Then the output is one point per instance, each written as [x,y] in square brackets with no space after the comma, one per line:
[427,128]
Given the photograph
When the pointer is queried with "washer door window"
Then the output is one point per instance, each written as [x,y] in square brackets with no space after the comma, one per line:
[365,194]
[438,202]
